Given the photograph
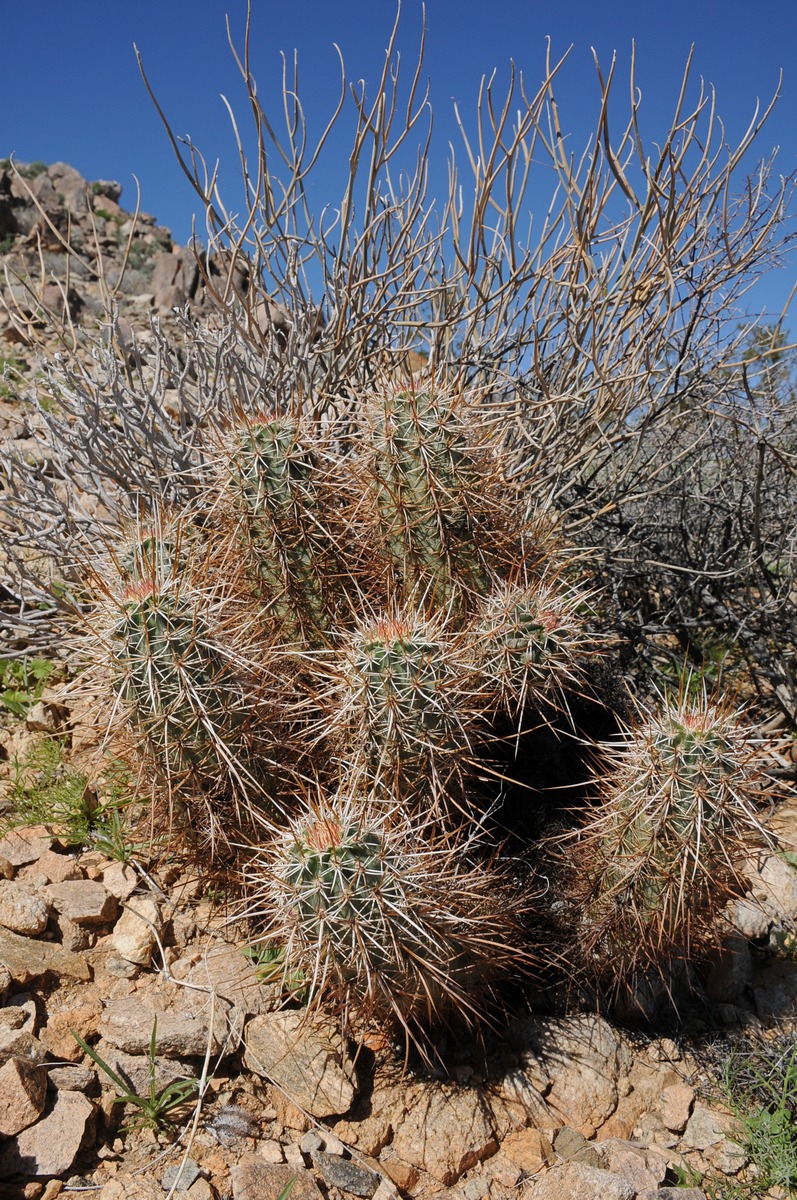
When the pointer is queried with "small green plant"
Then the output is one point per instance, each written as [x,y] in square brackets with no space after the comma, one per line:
[268,961]
[22,682]
[760,1084]
[158,1108]
[47,791]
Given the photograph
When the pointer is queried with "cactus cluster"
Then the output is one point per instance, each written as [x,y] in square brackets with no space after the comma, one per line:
[354,615]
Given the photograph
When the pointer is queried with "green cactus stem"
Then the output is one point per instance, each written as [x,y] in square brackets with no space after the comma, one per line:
[665,848]
[397,721]
[273,479]
[428,490]
[387,923]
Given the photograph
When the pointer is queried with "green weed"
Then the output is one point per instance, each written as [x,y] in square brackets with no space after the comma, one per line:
[760,1084]
[47,791]
[22,682]
[158,1108]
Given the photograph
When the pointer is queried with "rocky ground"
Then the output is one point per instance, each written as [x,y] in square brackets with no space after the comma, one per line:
[557,1106]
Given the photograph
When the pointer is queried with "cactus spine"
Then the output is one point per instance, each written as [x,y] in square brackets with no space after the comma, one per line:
[272,477]
[427,491]
[396,926]
[670,835]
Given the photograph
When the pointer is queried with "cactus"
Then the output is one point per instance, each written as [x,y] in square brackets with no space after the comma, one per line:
[396,718]
[664,849]
[527,642]
[384,896]
[393,925]
[271,474]
[429,494]
[183,693]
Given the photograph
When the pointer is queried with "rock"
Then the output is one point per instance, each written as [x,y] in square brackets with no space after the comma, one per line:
[346,1175]
[130,1187]
[120,880]
[200,1189]
[371,1123]
[676,1106]
[109,189]
[254,1179]
[133,1069]
[632,1164]
[575,1181]
[311,1142]
[528,1149]
[750,919]
[26,959]
[445,1132]
[706,1127]
[572,1146]
[773,885]
[71,1079]
[73,937]
[585,1059]
[70,184]
[20,1043]
[45,717]
[134,934]
[51,1146]
[56,868]
[22,846]
[23,1088]
[180,1175]
[225,969]
[174,278]
[307,1062]
[57,1033]
[83,901]
[183,1027]
[517,1087]
[21,910]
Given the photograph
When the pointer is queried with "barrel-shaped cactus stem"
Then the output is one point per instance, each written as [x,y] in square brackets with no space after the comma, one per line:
[429,492]
[528,642]
[185,695]
[272,475]
[396,716]
[385,922]
[664,848]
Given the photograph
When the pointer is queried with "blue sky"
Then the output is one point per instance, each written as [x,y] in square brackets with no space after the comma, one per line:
[70,88]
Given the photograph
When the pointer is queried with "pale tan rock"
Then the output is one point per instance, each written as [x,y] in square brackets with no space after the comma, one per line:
[308,1062]
[445,1132]
[585,1058]
[23,1088]
[184,1024]
[130,1187]
[54,868]
[135,933]
[119,879]
[773,886]
[575,1181]
[676,1105]
[631,1162]
[22,846]
[21,910]
[253,1179]
[56,1034]
[27,959]
[84,901]
[225,969]
[50,1146]
[528,1149]
[371,1129]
